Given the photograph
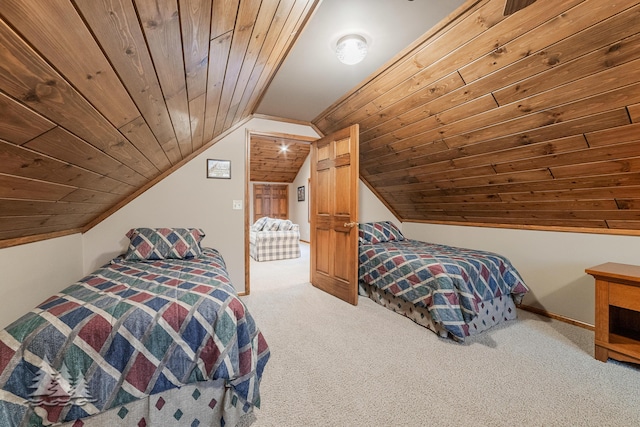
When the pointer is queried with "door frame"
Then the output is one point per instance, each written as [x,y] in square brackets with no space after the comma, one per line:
[247,211]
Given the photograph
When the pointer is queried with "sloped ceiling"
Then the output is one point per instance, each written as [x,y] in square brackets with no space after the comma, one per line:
[276,158]
[531,119]
[99,98]
[312,78]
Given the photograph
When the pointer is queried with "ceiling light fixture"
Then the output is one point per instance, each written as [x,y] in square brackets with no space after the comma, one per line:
[351,49]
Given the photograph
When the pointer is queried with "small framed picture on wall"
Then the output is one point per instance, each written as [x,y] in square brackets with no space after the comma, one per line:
[218,168]
[301,194]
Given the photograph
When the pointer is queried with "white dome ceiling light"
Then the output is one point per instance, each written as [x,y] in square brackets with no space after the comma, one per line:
[351,49]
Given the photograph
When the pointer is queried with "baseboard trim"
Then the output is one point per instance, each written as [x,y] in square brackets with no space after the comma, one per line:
[565,319]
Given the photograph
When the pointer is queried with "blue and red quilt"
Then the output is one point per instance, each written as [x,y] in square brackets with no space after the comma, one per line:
[452,283]
[126,331]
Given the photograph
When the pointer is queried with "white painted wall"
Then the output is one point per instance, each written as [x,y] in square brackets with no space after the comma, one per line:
[187,198]
[31,273]
[371,209]
[551,263]
[299,211]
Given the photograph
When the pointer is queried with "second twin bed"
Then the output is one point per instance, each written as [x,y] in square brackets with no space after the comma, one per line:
[455,292]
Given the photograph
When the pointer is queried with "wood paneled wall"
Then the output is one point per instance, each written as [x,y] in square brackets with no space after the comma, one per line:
[531,119]
[99,98]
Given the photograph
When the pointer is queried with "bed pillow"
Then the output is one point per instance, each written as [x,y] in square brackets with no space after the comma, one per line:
[259,224]
[163,243]
[379,232]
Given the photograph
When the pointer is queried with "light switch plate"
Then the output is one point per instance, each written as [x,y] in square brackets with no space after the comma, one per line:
[237,204]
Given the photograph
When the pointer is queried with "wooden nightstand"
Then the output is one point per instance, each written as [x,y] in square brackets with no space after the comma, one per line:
[617,331]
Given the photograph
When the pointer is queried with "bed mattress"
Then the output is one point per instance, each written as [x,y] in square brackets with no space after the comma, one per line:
[128,331]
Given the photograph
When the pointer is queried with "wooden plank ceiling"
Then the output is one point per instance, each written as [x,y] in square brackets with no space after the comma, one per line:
[530,119]
[519,120]
[99,98]
[276,158]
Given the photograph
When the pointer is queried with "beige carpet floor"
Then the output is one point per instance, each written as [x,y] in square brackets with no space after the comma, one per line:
[333,364]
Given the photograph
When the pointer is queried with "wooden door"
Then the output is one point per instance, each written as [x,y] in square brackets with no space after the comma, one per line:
[270,200]
[334,214]
[279,201]
[261,201]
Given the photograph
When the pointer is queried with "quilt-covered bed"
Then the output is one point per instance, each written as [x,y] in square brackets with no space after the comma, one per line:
[155,337]
[453,291]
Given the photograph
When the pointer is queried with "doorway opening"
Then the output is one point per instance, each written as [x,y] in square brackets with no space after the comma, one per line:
[277,186]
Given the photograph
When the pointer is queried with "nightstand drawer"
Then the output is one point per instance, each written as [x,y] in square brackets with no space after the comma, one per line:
[624,296]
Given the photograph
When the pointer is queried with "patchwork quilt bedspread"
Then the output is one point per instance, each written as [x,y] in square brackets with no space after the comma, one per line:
[126,331]
[450,282]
